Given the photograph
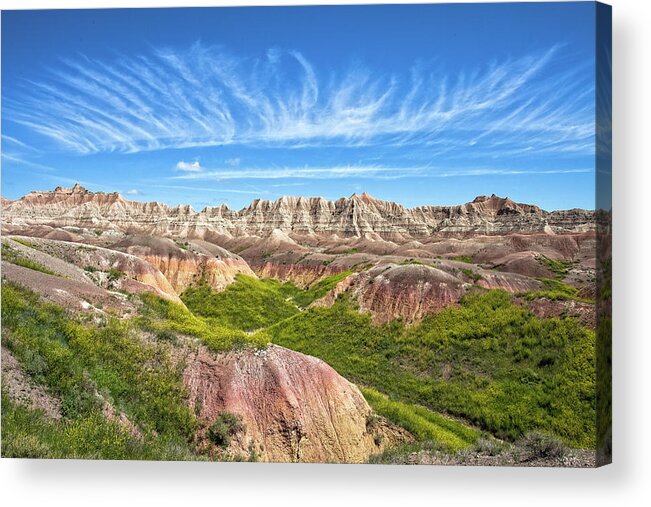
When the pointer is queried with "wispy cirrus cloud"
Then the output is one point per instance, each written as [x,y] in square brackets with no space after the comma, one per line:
[220,190]
[20,160]
[16,142]
[375,172]
[204,96]
[275,173]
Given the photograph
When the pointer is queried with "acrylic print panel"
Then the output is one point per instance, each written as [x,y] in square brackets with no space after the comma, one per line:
[344,234]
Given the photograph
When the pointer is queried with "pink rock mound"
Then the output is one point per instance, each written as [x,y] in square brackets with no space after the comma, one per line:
[393,291]
[185,263]
[136,275]
[293,407]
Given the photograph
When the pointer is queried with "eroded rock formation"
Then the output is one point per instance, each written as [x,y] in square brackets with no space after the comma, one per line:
[400,291]
[355,216]
[293,407]
[185,263]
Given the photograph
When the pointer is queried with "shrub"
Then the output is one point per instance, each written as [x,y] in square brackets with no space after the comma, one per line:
[224,428]
[542,445]
[469,273]
[372,422]
[115,274]
[558,267]
[488,447]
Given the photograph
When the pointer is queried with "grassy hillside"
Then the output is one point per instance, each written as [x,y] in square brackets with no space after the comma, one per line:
[425,425]
[252,303]
[11,255]
[488,361]
[81,365]
[304,298]
[165,318]
[27,433]
[247,304]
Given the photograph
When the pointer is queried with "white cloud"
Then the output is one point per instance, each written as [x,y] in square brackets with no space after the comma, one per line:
[349,171]
[203,96]
[133,191]
[235,161]
[191,167]
[360,171]
[18,159]
[219,190]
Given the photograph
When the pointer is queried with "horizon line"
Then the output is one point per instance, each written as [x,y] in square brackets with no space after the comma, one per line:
[260,199]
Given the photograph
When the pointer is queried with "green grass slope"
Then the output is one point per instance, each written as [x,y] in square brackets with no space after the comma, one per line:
[76,362]
[424,424]
[488,361]
[11,255]
[247,305]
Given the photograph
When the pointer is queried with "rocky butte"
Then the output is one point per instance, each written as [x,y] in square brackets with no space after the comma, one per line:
[354,216]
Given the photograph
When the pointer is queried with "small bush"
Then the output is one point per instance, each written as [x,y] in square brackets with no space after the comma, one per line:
[541,445]
[115,274]
[372,422]
[559,268]
[165,335]
[488,447]
[224,428]
[469,273]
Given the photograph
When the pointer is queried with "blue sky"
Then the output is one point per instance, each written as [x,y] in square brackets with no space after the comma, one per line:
[424,104]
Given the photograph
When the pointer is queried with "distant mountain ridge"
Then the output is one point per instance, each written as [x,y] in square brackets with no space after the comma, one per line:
[354,216]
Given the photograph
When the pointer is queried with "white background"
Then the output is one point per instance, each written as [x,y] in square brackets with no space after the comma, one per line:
[626,482]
